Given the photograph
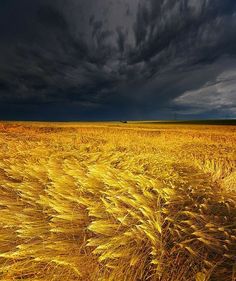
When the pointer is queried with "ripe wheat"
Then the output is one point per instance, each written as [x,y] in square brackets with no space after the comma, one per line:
[117,202]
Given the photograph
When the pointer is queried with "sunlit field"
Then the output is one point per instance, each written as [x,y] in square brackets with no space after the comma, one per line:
[113,201]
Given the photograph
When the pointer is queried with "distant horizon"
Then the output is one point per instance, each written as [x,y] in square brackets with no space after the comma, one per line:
[190,121]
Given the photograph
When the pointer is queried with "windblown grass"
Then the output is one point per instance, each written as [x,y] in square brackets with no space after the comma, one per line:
[117,202]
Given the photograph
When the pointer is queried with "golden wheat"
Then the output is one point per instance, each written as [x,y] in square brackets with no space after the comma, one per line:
[124,202]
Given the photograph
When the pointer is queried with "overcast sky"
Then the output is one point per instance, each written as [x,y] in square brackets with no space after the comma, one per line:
[117,59]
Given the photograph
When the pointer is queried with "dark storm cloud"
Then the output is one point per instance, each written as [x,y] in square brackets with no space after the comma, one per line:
[117,59]
[179,27]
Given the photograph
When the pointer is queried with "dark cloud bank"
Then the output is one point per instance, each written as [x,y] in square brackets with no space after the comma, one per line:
[117,59]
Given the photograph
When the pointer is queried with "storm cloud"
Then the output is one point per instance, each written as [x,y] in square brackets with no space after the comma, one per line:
[109,59]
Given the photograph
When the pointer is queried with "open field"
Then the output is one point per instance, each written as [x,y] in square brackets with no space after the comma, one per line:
[112,201]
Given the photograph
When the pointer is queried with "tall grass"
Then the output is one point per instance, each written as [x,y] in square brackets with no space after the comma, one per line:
[117,202]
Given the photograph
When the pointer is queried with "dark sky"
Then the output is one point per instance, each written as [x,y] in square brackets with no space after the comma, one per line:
[117,59]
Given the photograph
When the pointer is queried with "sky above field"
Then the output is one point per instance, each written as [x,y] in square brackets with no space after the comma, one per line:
[117,59]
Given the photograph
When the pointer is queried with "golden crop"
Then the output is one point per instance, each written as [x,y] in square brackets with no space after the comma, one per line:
[122,202]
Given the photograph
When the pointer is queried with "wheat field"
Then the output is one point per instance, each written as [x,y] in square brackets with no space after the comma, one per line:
[112,201]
